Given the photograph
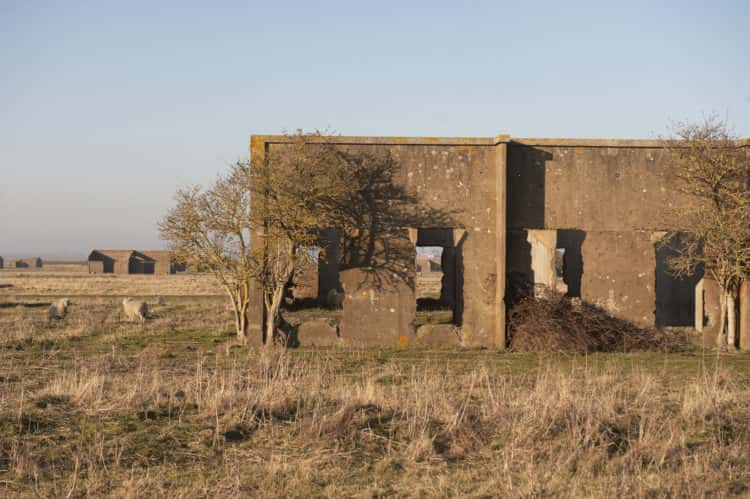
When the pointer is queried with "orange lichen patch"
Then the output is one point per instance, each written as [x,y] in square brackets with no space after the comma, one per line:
[403,340]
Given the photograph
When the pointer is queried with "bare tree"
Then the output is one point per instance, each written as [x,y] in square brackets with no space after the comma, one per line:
[297,190]
[302,187]
[283,199]
[713,171]
[210,231]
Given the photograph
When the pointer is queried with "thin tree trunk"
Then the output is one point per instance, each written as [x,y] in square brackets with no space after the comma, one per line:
[243,311]
[271,323]
[731,322]
[720,342]
[240,323]
[240,318]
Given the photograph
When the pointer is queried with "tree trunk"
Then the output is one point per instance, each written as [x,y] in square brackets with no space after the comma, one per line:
[240,323]
[271,322]
[272,315]
[240,316]
[731,322]
[720,342]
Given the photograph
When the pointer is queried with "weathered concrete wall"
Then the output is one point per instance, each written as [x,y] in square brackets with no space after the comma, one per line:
[605,202]
[619,274]
[463,177]
[613,199]
[707,311]
[619,187]
[378,309]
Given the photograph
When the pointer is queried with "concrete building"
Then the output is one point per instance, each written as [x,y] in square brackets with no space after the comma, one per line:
[163,261]
[120,262]
[579,215]
[24,263]
[427,264]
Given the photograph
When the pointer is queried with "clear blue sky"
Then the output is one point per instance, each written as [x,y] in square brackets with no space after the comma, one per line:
[107,107]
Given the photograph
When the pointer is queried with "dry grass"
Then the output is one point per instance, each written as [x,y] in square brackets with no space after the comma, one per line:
[96,406]
[67,280]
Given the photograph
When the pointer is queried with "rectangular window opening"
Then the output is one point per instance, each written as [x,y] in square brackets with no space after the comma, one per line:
[439,284]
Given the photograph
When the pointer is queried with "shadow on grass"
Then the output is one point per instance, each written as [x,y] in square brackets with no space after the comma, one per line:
[24,304]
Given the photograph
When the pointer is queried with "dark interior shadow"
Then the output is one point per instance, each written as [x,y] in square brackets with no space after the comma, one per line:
[526,186]
[519,275]
[571,240]
[329,276]
[675,296]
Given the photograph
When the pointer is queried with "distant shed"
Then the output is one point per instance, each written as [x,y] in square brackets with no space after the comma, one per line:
[120,262]
[163,261]
[23,263]
[427,264]
[34,262]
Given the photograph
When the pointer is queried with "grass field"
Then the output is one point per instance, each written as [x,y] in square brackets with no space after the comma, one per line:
[96,406]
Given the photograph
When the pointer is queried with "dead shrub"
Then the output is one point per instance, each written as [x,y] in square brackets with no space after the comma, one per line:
[556,324]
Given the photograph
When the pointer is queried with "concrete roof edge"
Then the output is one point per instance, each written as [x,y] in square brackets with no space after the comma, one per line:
[478,141]
[344,139]
[570,142]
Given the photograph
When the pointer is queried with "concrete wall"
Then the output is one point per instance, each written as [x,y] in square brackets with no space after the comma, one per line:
[612,201]
[605,202]
[463,177]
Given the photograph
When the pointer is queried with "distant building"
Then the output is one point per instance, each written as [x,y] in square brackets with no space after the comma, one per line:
[427,264]
[130,262]
[2,262]
[119,262]
[33,262]
[163,261]
[23,263]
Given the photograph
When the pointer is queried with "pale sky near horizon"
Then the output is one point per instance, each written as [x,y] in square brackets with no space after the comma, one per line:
[106,108]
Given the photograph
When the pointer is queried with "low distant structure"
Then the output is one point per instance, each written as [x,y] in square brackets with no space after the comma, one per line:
[33,262]
[427,264]
[119,262]
[123,262]
[22,263]
[163,261]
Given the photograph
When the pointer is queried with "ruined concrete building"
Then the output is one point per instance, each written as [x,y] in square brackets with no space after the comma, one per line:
[581,216]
